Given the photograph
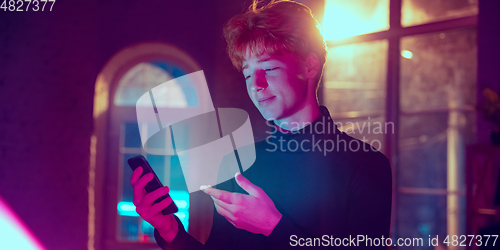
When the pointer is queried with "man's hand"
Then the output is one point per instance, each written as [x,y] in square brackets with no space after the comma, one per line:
[143,201]
[255,212]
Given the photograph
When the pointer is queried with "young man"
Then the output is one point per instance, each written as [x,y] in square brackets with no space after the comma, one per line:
[296,193]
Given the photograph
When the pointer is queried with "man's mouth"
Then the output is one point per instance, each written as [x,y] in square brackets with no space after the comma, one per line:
[265,101]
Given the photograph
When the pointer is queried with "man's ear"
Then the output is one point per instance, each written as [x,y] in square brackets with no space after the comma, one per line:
[312,65]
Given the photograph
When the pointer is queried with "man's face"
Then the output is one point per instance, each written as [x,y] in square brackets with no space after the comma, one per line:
[276,84]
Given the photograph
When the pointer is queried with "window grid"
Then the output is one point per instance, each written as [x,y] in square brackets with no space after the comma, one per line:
[126,209]
[392,113]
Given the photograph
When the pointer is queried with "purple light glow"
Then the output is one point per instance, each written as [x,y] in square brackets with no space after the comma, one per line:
[13,233]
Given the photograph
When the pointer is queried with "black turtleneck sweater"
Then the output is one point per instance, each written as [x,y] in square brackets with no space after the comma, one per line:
[326,197]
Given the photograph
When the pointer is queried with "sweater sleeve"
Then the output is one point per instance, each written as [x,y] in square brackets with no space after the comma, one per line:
[369,206]
[182,240]
[221,237]
[280,236]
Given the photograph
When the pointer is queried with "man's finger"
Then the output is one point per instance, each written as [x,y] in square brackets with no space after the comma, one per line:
[226,214]
[151,197]
[215,204]
[156,208]
[138,186]
[141,183]
[136,175]
[218,194]
[229,207]
[247,185]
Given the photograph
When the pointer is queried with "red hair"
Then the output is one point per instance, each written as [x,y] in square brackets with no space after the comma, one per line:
[275,28]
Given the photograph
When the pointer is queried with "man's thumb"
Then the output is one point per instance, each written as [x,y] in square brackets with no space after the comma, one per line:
[246,185]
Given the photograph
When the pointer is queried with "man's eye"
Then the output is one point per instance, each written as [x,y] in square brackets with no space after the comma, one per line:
[267,70]
[248,76]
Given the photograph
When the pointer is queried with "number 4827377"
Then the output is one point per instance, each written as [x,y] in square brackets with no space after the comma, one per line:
[26,5]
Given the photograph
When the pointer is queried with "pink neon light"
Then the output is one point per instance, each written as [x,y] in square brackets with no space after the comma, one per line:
[13,233]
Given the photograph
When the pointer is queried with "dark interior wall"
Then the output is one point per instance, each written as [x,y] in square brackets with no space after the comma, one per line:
[48,67]
[47,73]
[488,63]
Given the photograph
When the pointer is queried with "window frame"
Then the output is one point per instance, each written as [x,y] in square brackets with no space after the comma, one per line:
[105,172]
[392,108]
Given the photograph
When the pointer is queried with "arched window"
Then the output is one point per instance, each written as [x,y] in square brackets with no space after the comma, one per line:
[113,222]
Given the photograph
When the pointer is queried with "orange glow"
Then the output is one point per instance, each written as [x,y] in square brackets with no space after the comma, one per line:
[354,17]
[101,94]
[13,233]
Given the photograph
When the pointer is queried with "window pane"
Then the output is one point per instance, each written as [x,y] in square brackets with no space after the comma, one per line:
[355,78]
[424,147]
[423,150]
[437,117]
[134,228]
[147,75]
[132,136]
[420,216]
[137,81]
[355,89]
[438,71]
[414,12]
[129,228]
[354,17]
[177,180]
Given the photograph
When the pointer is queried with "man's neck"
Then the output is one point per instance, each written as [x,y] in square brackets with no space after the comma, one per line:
[299,119]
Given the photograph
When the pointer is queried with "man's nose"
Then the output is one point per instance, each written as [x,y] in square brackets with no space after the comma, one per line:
[259,81]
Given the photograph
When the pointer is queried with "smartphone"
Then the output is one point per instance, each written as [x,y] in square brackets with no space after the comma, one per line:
[140,161]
